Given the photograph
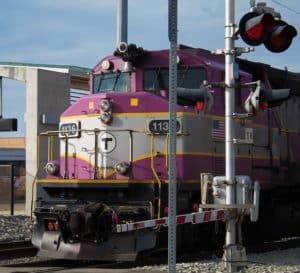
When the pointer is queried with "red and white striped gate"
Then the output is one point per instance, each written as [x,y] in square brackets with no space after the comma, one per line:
[192,218]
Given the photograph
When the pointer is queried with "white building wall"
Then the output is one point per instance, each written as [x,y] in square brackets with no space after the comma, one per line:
[47,93]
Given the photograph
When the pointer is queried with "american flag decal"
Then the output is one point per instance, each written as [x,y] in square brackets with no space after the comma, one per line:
[218,129]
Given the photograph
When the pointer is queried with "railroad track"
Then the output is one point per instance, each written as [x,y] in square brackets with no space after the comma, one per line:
[16,249]
[156,257]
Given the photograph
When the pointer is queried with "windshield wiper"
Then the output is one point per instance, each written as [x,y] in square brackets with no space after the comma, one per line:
[116,80]
[100,81]
[183,76]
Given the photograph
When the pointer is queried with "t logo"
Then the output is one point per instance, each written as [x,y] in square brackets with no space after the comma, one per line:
[107,142]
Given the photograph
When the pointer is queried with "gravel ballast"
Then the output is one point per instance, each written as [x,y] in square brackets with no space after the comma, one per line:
[281,261]
[15,228]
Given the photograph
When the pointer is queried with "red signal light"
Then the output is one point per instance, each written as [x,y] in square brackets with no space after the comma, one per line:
[255,32]
[254,27]
[200,105]
[280,37]
[262,99]
[263,105]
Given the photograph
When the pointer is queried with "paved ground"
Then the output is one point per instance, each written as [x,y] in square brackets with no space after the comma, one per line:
[19,209]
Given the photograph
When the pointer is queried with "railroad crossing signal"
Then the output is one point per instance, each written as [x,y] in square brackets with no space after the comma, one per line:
[201,98]
[261,98]
[275,34]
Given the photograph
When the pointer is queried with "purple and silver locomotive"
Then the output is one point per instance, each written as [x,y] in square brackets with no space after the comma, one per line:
[113,153]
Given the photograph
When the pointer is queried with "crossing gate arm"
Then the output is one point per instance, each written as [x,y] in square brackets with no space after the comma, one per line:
[191,218]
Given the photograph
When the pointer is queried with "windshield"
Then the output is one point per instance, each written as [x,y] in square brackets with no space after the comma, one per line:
[113,81]
[158,78]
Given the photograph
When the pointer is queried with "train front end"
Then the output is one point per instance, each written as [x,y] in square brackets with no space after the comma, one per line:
[103,176]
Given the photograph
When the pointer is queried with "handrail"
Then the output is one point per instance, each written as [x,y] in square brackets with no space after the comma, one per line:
[50,148]
[35,177]
[66,171]
[46,133]
[155,174]
[167,151]
[97,131]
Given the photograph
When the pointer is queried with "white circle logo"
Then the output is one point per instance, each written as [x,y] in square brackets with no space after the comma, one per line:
[107,142]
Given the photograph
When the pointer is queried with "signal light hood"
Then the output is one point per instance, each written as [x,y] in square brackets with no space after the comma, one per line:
[256,28]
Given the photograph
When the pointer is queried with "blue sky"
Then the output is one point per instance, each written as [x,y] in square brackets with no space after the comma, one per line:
[81,32]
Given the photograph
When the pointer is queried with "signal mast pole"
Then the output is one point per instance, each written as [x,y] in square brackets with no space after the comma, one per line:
[234,254]
[229,109]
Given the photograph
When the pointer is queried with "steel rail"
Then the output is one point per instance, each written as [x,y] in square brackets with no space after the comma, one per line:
[16,249]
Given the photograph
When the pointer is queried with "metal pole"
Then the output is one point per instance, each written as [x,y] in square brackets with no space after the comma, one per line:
[229,127]
[173,134]
[229,109]
[122,21]
[1,109]
[12,190]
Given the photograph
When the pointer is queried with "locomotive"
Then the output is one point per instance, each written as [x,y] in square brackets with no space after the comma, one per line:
[112,166]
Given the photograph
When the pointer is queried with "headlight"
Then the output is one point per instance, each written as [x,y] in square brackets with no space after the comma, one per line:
[105,105]
[106,64]
[52,168]
[122,167]
[106,117]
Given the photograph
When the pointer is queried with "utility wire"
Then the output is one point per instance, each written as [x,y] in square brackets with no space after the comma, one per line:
[285,6]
